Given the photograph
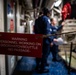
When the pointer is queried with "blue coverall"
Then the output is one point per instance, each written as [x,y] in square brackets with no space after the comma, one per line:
[54,48]
[42,26]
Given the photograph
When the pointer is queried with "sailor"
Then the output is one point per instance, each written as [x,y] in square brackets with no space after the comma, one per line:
[42,26]
[54,29]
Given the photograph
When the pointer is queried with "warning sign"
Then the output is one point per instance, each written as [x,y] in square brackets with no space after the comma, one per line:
[21,44]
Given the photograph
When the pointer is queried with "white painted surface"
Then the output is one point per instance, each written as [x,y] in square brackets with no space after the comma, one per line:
[2,57]
[1,16]
[18,23]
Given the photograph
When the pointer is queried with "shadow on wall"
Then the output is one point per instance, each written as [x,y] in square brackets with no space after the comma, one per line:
[73,13]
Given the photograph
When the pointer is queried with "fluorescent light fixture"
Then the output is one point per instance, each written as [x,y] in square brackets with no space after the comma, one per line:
[57,3]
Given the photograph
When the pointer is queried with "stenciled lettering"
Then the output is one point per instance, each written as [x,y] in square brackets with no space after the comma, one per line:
[20,39]
[7,41]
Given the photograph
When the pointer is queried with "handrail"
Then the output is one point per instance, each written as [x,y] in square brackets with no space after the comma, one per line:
[44,36]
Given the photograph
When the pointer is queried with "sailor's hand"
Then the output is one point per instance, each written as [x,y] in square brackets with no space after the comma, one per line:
[51,44]
[63,23]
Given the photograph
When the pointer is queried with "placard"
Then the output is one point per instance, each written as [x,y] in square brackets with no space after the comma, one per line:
[70,30]
[21,44]
[70,26]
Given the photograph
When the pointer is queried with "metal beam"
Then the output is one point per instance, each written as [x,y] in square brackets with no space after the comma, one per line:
[40,3]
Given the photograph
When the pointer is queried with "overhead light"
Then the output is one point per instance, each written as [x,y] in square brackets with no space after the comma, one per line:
[57,3]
